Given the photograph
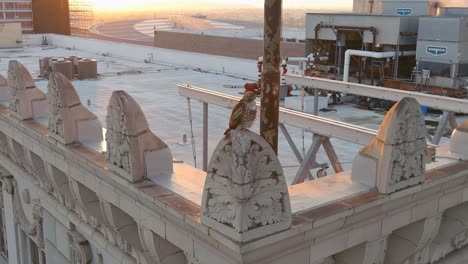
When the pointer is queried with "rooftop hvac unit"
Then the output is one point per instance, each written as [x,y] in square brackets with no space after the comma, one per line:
[453,11]
[87,69]
[421,7]
[74,60]
[45,66]
[443,49]
[64,67]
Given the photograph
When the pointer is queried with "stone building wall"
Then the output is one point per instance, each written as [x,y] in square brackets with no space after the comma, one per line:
[66,202]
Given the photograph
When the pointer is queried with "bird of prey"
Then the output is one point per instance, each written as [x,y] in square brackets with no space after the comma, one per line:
[244,113]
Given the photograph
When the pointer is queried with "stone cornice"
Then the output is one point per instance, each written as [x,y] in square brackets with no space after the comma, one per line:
[34,137]
[172,209]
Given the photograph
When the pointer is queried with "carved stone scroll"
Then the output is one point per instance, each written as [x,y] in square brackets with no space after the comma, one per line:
[158,249]
[81,250]
[133,151]
[328,260]
[452,234]
[121,229]
[191,259]
[431,229]
[26,100]
[38,170]
[18,154]
[375,251]
[395,159]
[31,228]
[87,203]
[459,140]
[60,185]
[245,194]
[69,120]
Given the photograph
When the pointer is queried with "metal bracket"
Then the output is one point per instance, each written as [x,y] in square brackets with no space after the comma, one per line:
[448,119]
[310,159]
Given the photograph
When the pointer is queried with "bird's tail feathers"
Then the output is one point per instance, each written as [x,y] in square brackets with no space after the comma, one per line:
[226,133]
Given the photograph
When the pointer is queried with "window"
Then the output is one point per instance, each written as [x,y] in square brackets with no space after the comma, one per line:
[10,15]
[18,5]
[3,238]
[23,5]
[34,252]
[23,15]
[9,6]
[30,253]
[26,24]
[37,255]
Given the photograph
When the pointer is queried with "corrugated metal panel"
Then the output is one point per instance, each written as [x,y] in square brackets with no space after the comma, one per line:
[442,52]
[388,27]
[443,29]
[409,8]
[453,11]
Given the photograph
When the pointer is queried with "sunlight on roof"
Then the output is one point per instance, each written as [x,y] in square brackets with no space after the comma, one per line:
[108,5]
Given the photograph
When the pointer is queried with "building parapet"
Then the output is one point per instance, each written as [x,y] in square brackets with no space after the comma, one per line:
[115,206]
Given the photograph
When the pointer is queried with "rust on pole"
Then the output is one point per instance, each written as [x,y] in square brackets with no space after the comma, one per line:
[271,76]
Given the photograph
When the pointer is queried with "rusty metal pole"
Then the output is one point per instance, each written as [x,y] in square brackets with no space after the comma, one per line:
[271,76]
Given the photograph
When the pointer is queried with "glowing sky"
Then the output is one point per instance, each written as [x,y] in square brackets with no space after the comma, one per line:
[164,4]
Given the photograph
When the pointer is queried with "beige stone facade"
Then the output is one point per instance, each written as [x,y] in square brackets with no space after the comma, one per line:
[69,200]
[10,35]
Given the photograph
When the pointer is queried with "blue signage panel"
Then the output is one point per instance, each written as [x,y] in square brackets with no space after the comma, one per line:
[436,50]
[404,11]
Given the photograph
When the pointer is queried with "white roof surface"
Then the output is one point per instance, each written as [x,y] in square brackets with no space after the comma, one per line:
[154,87]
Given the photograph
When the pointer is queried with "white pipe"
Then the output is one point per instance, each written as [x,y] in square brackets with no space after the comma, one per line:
[300,59]
[296,59]
[372,54]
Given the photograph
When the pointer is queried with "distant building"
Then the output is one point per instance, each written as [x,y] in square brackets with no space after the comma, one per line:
[64,17]
[15,11]
[10,35]
[367,6]
[81,16]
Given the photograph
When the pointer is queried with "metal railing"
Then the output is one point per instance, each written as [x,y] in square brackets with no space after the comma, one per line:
[315,124]
[434,101]
[448,105]
[322,128]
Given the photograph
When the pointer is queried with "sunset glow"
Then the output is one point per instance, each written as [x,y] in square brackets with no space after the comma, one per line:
[163,4]
[101,5]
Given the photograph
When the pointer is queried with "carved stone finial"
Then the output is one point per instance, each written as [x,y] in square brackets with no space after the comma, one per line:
[459,140]
[3,81]
[23,93]
[245,194]
[133,151]
[4,93]
[69,120]
[396,158]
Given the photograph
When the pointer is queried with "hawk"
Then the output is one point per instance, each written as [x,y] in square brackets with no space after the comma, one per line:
[244,113]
